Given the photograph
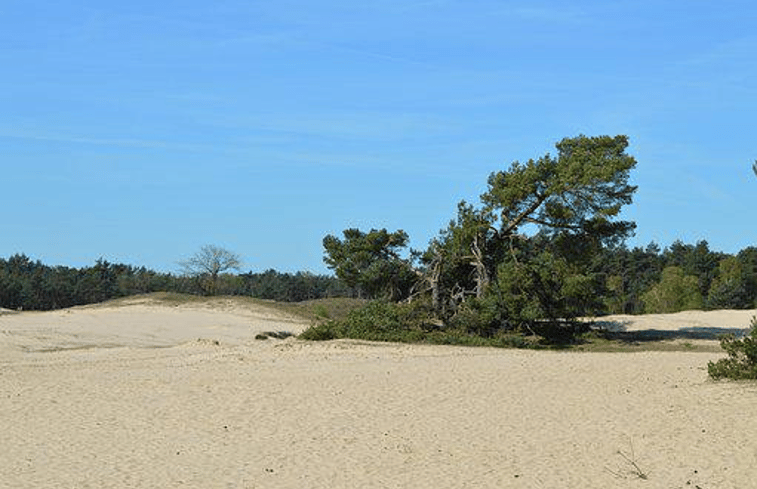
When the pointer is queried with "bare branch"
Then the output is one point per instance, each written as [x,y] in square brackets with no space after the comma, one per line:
[212,260]
[209,262]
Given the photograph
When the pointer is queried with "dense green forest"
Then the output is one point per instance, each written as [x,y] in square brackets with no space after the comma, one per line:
[31,285]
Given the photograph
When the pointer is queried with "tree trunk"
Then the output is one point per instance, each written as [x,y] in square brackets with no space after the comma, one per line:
[434,282]
[482,274]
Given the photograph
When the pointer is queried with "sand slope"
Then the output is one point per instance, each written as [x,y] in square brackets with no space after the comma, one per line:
[724,321]
[291,414]
[141,322]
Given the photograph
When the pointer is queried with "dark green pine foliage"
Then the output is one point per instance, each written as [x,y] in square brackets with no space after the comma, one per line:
[371,262]
[741,362]
[547,221]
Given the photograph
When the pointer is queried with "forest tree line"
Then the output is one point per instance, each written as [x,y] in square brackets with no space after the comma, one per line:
[680,277]
[31,285]
[634,280]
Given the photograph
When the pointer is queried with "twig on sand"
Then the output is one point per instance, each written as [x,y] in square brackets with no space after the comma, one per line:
[631,461]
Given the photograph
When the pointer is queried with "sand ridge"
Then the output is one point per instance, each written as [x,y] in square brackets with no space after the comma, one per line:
[289,414]
[139,323]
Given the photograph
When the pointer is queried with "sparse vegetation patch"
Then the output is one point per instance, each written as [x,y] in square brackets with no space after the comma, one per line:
[741,362]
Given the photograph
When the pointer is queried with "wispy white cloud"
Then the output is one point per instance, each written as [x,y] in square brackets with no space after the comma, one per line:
[365,125]
[374,54]
[734,50]
[562,13]
[728,63]
[46,135]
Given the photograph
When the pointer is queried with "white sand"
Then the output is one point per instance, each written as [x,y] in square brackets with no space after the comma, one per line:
[291,414]
[690,321]
[139,323]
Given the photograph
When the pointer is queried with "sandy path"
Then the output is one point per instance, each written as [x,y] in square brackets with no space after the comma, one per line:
[290,414]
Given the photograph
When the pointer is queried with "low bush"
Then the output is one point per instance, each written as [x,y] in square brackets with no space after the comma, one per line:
[376,321]
[412,323]
[741,362]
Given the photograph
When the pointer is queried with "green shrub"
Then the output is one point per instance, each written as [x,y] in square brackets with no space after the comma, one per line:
[413,323]
[320,332]
[376,321]
[485,320]
[478,318]
[741,362]
[321,312]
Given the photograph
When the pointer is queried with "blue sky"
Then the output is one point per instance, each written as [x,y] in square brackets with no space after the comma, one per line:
[139,131]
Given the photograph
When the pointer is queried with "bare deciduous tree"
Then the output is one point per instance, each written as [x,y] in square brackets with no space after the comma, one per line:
[209,263]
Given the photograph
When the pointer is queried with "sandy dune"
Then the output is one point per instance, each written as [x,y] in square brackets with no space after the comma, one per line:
[289,414]
[139,323]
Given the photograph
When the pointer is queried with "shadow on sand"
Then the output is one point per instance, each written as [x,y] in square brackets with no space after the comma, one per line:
[618,330]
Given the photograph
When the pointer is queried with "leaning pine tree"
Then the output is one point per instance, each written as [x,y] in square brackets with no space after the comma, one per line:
[521,261]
